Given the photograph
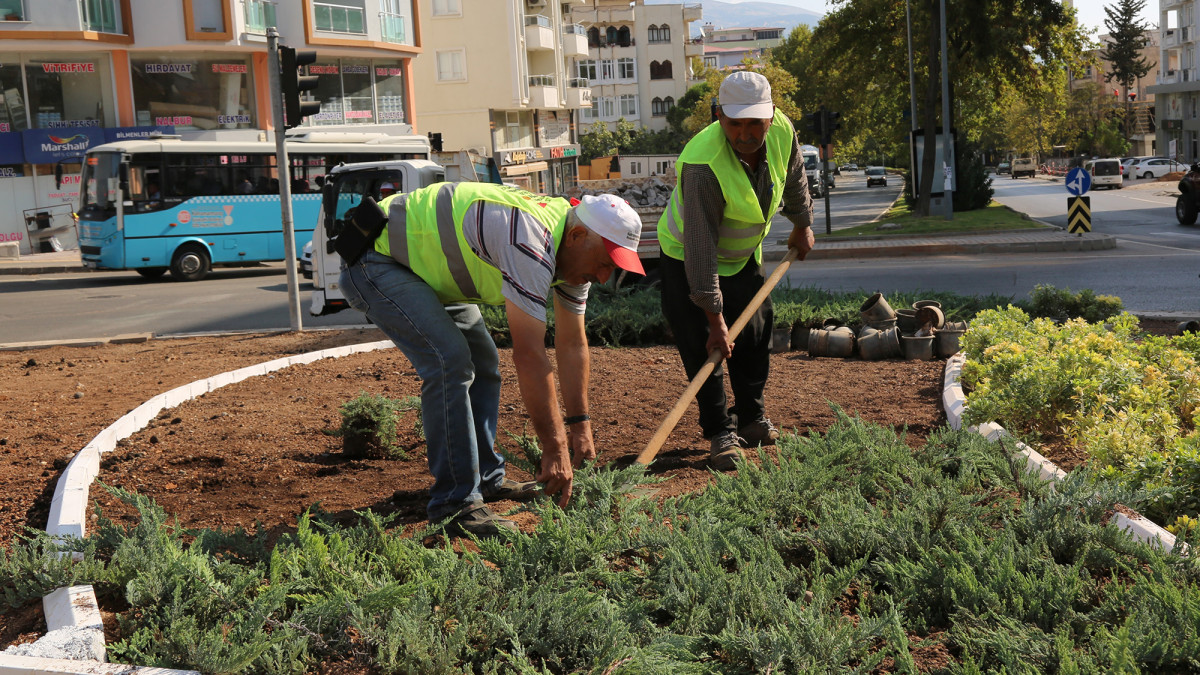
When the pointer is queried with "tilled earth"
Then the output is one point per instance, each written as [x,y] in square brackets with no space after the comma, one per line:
[257,453]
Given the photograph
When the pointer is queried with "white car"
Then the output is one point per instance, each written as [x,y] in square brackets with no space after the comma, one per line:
[1155,167]
[1128,162]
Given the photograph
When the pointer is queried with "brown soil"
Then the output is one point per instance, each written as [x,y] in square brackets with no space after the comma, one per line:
[256,453]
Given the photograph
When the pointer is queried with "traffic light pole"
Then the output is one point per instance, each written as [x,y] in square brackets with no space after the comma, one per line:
[285,177]
[825,187]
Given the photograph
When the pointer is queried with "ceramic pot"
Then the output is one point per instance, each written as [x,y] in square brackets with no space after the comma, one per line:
[781,340]
[837,343]
[918,348]
[874,345]
[876,309]
[906,321]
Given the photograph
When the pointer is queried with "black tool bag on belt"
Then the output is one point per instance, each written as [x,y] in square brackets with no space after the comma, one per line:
[357,233]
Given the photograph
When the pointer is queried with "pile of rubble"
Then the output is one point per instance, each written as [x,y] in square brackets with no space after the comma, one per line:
[639,192]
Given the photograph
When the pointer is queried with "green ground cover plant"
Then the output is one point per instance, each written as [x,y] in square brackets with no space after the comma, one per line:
[368,426]
[1130,402]
[995,217]
[847,552]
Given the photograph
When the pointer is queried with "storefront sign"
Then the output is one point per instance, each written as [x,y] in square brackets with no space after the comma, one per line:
[8,172]
[358,114]
[229,67]
[391,115]
[521,156]
[69,67]
[322,70]
[181,120]
[357,70]
[46,146]
[233,119]
[126,133]
[326,116]
[65,124]
[389,72]
[11,149]
[11,236]
[4,128]
[167,68]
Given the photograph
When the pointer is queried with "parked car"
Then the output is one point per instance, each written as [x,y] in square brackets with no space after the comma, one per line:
[1003,167]
[876,176]
[1127,162]
[1105,172]
[1156,167]
[1024,166]
[850,167]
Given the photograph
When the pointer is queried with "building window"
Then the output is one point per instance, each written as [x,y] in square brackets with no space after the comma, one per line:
[623,37]
[660,33]
[629,105]
[626,69]
[193,91]
[447,8]
[586,69]
[67,90]
[610,35]
[260,15]
[450,66]
[345,16]
[608,71]
[660,71]
[593,37]
[588,114]
[607,107]
[514,129]
[13,10]
[662,168]
[102,16]
[207,16]
[656,107]
[635,168]
[710,61]
[668,104]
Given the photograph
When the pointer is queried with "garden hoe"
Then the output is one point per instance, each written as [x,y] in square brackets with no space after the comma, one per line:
[714,358]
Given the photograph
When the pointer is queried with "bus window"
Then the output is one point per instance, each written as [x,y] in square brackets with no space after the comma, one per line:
[145,182]
[100,184]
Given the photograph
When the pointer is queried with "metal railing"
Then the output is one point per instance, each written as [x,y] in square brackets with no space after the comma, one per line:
[541,80]
[537,20]
[334,18]
[574,29]
[578,83]
[392,26]
[100,16]
[260,15]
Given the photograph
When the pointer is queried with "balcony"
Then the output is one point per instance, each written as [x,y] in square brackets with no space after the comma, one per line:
[693,12]
[589,17]
[391,25]
[542,92]
[333,18]
[574,40]
[695,49]
[101,16]
[538,35]
[579,95]
[260,15]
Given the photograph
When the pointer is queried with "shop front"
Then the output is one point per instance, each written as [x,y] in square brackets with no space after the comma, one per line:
[550,171]
[358,91]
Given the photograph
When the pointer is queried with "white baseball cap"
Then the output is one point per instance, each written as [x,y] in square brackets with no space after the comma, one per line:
[387,186]
[618,224]
[746,94]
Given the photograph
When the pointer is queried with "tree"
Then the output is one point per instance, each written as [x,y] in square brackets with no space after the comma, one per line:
[782,86]
[1126,40]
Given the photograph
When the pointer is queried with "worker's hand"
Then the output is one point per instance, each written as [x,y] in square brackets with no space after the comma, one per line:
[718,337]
[802,240]
[583,448]
[556,476]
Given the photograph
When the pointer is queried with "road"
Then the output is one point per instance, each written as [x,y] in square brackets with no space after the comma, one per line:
[1153,269]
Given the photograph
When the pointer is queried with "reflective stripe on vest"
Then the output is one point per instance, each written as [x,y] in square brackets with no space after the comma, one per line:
[434,215]
[743,224]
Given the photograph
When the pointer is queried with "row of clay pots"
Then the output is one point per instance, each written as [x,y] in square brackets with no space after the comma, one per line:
[919,333]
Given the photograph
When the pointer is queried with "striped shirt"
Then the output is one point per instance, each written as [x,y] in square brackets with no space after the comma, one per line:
[518,245]
[704,205]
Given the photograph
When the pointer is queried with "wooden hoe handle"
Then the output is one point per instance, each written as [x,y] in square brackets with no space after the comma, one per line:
[714,357]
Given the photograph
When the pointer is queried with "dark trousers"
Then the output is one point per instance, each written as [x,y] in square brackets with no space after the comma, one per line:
[751,360]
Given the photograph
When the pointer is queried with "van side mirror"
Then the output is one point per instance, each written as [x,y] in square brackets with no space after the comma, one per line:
[123,175]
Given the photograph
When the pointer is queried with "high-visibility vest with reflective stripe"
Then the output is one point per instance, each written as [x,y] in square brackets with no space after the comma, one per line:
[743,224]
[429,238]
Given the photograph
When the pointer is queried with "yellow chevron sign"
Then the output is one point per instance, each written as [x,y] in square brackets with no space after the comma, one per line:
[1079,214]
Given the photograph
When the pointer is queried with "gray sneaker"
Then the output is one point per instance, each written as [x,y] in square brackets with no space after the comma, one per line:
[760,432]
[724,450]
[477,519]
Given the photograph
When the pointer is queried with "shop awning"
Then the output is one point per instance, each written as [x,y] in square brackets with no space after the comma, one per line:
[532,167]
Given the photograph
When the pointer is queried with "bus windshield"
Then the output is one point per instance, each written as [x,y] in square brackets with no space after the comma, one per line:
[100,182]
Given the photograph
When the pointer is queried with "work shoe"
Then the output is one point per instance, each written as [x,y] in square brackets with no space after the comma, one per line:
[758,433]
[511,489]
[477,519]
[724,449]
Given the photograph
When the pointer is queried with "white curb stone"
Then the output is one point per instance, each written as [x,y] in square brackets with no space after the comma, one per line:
[72,615]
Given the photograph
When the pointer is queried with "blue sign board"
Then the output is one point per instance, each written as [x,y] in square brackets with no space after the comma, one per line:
[47,146]
[11,149]
[1078,181]
[127,133]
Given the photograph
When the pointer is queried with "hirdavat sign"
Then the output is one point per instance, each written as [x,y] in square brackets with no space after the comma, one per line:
[46,146]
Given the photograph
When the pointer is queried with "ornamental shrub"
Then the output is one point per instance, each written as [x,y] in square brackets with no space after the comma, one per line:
[369,426]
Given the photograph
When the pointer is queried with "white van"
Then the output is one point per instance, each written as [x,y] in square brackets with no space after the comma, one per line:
[1023,166]
[1105,172]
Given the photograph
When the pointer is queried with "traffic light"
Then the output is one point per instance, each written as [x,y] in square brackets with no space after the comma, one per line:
[293,85]
[816,121]
[832,122]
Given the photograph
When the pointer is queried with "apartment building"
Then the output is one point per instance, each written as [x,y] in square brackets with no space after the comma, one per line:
[639,60]
[77,73]
[497,78]
[1142,104]
[1177,86]
[727,48]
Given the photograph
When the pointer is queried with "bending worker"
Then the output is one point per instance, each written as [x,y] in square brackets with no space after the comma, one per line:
[733,177]
[451,245]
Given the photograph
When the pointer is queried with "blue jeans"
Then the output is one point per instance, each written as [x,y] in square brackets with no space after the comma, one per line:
[460,375]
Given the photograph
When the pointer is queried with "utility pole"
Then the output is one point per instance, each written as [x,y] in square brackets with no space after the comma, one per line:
[947,151]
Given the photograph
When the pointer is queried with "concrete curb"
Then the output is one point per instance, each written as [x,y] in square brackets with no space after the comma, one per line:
[75,607]
[1140,527]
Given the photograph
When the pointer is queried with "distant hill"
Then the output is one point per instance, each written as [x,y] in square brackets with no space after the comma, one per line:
[746,14]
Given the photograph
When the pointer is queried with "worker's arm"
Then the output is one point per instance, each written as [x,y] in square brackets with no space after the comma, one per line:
[798,204]
[571,349]
[535,377]
[703,204]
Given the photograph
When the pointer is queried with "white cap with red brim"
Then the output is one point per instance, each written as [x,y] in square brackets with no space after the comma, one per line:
[618,224]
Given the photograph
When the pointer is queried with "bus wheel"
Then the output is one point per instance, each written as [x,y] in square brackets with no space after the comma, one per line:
[151,272]
[190,263]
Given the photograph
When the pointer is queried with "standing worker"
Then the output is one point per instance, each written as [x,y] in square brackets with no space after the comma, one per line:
[733,177]
[450,245]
